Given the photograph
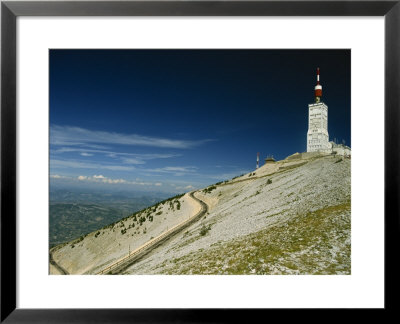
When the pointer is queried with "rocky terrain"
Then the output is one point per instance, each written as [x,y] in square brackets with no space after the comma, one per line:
[288,217]
[92,252]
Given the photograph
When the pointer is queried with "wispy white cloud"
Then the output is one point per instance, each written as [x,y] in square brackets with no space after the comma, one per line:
[123,157]
[101,178]
[139,156]
[170,169]
[57,176]
[188,187]
[87,165]
[227,176]
[132,161]
[76,136]
[176,170]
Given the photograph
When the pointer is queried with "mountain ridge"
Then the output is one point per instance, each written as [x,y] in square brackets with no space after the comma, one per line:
[311,189]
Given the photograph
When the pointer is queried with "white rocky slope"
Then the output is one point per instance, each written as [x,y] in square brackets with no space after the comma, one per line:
[290,217]
[95,251]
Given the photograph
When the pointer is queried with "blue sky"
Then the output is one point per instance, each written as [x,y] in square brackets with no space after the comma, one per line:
[174,120]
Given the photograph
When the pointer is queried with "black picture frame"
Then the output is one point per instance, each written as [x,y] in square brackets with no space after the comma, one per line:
[10,10]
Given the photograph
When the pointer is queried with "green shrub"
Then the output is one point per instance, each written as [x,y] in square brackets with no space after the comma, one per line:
[269,181]
[209,189]
[136,216]
[79,239]
[204,229]
[238,176]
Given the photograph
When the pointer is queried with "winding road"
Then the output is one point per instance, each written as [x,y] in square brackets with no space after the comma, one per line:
[137,254]
[56,265]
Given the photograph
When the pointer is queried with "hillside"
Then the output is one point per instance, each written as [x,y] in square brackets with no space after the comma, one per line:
[289,217]
[90,253]
[74,213]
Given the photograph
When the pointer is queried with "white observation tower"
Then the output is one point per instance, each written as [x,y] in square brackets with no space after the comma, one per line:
[317,135]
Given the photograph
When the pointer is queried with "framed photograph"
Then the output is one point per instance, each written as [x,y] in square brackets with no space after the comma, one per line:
[158,200]
[198,152]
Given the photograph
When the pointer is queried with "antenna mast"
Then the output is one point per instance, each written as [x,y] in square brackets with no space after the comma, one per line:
[318,89]
[258,160]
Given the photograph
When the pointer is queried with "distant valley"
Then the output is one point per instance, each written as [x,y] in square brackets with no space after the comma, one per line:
[74,213]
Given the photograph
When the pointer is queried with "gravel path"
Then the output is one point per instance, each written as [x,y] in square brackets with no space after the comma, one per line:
[60,269]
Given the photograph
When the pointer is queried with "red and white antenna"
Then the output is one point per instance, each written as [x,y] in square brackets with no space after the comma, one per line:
[258,160]
[318,88]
